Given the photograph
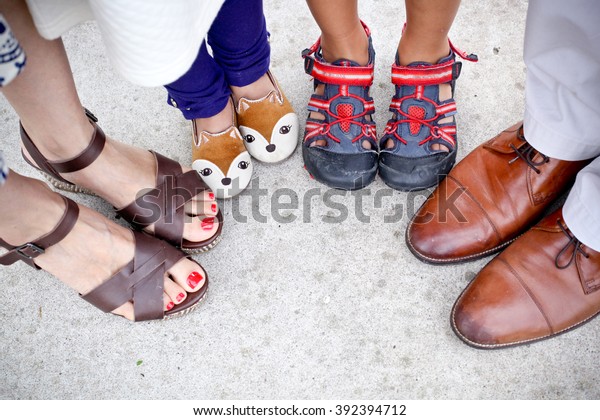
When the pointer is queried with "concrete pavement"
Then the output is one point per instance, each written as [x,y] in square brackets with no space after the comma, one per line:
[301,305]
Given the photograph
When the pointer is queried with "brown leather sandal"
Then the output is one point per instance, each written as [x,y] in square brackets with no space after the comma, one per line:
[162,206]
[140,281]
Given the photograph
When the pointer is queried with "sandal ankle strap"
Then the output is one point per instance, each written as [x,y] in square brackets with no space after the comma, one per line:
[425,74]
[77,163]
[334,74]
[31,250]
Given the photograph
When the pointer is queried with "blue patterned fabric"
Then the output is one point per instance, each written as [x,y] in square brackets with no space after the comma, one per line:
[12,56]
[3,169]
[12,61]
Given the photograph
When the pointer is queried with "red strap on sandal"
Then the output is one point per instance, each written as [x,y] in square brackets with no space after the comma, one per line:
[431,74]
[425,75]
[337,75]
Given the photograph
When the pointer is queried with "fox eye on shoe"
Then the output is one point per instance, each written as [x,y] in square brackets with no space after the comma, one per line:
[206,171]
[243,165]
[249,138]
[285,129]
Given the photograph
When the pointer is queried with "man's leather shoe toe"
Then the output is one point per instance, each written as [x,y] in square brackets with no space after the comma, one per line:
[543,284]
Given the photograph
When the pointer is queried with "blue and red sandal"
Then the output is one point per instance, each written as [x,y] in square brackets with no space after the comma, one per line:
[407,160]
[347,126]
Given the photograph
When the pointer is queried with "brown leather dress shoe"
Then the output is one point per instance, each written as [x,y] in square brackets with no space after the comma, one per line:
[492,196]
[545,283]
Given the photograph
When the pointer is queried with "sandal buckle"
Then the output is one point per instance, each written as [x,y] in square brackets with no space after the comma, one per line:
[309,64]
[90,116]
[29,251]
[456,68]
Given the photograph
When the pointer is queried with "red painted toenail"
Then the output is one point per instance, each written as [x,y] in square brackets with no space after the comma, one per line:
[207,223]
[193,279]
[211,196]
[180,297]
[170,306]
[214,208]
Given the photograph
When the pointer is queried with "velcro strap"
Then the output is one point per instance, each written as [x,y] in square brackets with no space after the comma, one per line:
[338,75]
[335,74]
[446,109]
[434,74]
[463,54]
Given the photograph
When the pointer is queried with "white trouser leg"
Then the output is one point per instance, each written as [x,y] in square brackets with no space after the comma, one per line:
[562,93]
[582,208]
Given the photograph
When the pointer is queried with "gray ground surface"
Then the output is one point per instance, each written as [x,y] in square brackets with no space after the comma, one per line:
[299,307]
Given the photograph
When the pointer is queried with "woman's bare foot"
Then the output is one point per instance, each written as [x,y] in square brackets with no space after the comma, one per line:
[91,253]
[121,172]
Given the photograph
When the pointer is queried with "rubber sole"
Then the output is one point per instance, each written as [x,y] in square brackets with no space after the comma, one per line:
[187,310]
[408,174]
[344,172]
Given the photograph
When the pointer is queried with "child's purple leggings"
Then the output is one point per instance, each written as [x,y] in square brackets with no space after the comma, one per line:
[240,55]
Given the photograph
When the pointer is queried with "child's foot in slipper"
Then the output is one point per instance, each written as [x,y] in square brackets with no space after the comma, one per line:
[266,119]
[219,155]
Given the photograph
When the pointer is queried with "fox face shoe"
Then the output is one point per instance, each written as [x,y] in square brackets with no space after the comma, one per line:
[268,125]
[222,161]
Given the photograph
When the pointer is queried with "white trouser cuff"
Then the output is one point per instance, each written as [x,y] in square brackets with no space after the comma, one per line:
[581,210]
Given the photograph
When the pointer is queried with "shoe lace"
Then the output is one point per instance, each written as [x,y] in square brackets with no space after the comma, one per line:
[527,153]
[572,241]
[416,119]
[346,120]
